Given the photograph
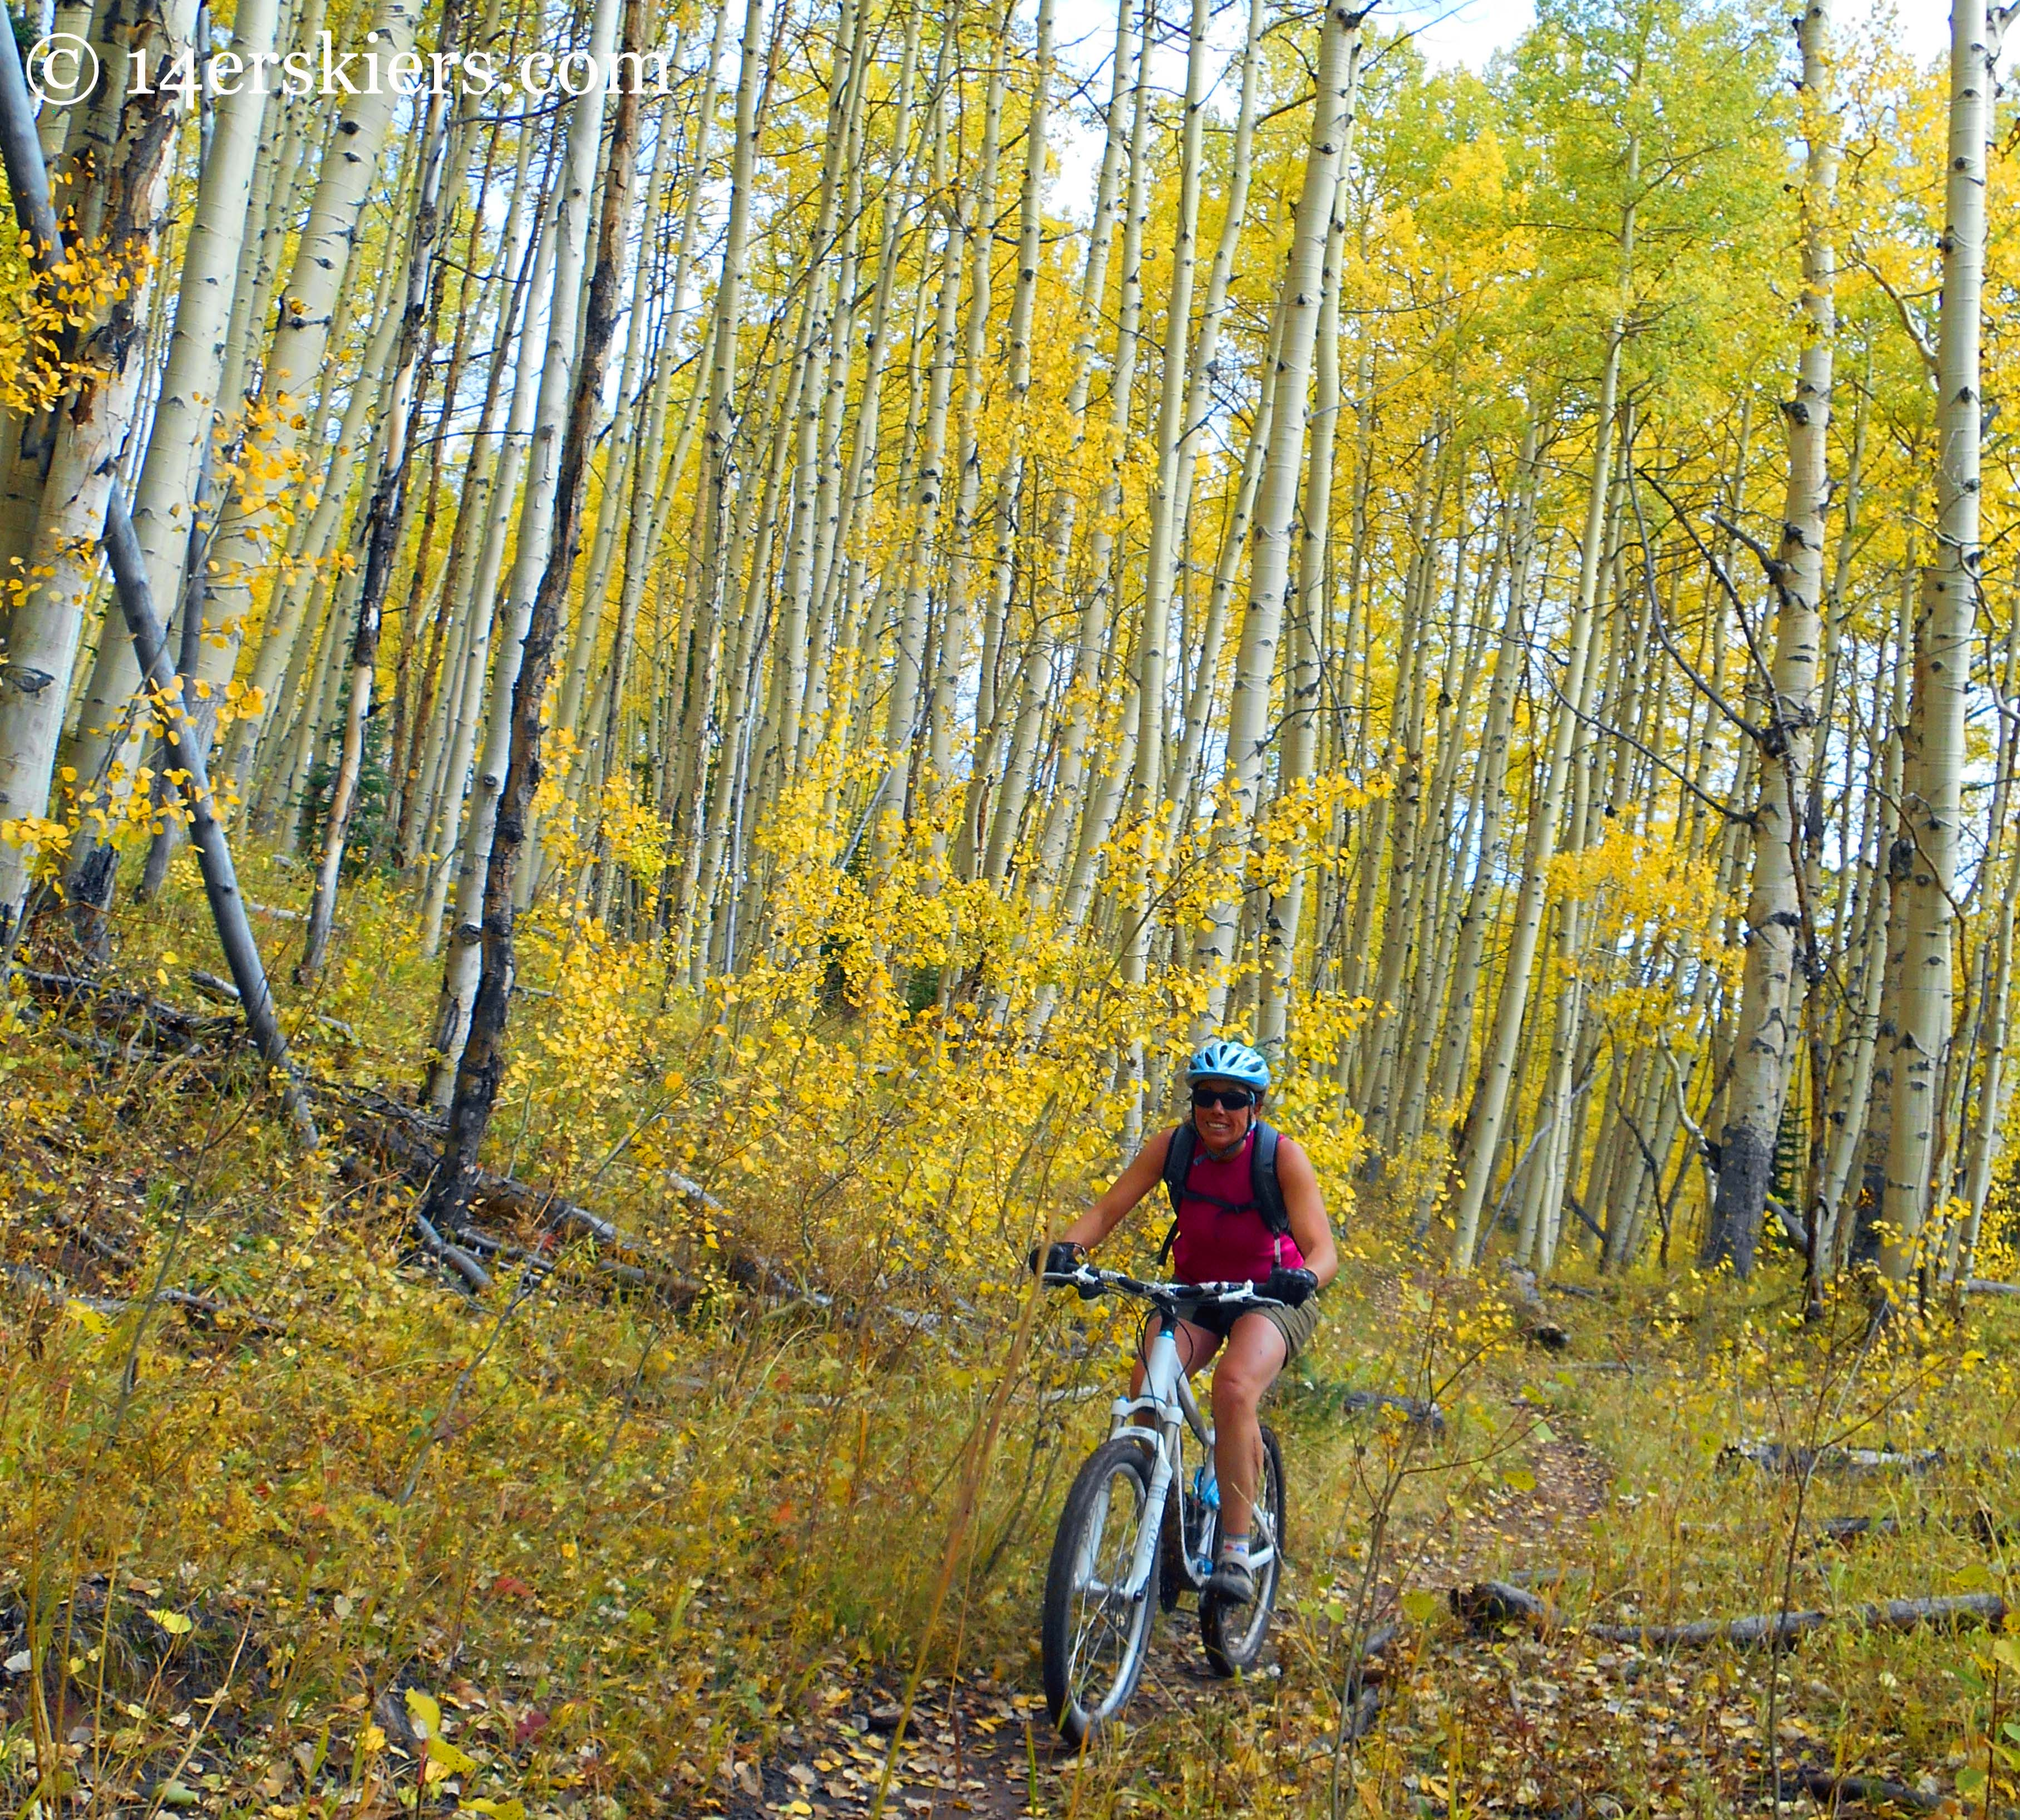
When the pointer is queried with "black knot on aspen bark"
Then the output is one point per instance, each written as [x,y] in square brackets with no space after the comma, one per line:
[29,681]
[1795,410]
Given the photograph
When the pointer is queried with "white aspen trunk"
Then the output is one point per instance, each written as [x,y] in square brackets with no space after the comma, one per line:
[718,433]
[253,525]
[1233,545]
[1510,658]
[356,435]
[1069,785]
[487,608]
[164,499]
[909,651]
[1096,618]
[1480,1140]
[90,422]
[632,409]
[789,673]
[1781,931]
[385,516]
[1037,668]
[1947,609]
[833,583]
[835,408]
[1153,626]
[1248,712]
[568,227]
[1285,908]
[977,219]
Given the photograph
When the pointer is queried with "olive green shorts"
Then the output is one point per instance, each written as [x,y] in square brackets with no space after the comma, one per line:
[1297,1325]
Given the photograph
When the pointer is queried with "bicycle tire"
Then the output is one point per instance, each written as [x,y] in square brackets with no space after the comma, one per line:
[1234,1634]
[1086,1538]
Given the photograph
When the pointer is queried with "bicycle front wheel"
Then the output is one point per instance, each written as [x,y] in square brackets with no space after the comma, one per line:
[1095,1636]
[1233,1634]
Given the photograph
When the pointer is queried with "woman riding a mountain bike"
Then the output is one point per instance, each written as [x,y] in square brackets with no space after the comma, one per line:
[1253,1246]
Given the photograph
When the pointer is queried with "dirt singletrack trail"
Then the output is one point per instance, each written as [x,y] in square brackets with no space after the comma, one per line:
[975,1747]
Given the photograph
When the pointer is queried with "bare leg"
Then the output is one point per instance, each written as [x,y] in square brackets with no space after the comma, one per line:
[1197,1345]
[1254,1355]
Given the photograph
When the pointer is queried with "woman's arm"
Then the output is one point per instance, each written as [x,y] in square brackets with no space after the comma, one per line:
[1144,1173]
[1306,1208]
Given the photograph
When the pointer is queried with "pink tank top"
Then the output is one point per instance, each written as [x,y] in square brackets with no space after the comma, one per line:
[1218,1244]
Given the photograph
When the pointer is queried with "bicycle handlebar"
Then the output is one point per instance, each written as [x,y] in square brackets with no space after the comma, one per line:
[1091,1282]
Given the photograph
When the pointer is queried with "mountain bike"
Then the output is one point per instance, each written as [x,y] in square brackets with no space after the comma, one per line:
[1135,1535]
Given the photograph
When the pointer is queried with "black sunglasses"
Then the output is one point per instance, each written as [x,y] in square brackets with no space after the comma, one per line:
[1228,1099]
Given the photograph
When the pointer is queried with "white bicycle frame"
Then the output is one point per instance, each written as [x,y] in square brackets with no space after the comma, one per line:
[1167,1397]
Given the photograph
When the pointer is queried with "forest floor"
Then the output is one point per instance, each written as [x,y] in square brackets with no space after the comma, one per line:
[654,1557]
[979,1747]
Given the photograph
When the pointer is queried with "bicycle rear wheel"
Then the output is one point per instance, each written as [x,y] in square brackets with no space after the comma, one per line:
[1094,1636]
[1234,1634]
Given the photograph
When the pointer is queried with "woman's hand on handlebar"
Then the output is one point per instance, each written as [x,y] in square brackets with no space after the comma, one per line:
[1293,1288]
[1060,1258]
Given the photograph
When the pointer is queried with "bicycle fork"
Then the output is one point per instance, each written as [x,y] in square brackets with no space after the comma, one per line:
[1164,1384]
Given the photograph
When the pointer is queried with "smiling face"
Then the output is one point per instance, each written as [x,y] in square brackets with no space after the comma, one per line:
[1220,1127]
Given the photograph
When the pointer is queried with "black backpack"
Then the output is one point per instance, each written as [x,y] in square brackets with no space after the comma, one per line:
[1266,1193]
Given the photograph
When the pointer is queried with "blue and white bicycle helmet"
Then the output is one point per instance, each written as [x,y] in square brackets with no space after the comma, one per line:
[1221,1060]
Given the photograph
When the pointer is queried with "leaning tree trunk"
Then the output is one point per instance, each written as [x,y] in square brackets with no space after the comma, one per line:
[1780,931]
[482,1065]
[90,422]
[568,226]
[164,496]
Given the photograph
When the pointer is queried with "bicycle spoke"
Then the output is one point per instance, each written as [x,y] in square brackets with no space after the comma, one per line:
[1105,1618]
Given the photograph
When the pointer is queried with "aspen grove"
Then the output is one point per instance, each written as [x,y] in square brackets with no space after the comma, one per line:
[721,668]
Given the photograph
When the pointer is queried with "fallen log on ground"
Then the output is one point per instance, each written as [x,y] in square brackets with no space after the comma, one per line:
[1979,1525]
[1419,1411]
[455,1256]
[1989,1286]
[401,1138]
[1772,1456]
[44,1285]
[406,1140]
[117,1004]
[1833,1789]
[1489,1605]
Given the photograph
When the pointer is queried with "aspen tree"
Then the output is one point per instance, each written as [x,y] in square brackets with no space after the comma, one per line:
[569,227]
[1480,1138]
[481,1066]
[1781,931]
[251,522]
[185,409]
[90,420]
[1284,908]
[1146,782]
[1943,614]
[386,514]
[1338,69]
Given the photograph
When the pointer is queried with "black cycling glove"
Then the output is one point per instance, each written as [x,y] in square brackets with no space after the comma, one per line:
[1293,1288]
[1061,1258]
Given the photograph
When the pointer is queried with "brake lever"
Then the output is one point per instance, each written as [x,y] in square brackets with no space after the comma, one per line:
[1090,1287]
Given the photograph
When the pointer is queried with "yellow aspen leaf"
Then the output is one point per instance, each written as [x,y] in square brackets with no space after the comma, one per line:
[451,1761]
[422,1709]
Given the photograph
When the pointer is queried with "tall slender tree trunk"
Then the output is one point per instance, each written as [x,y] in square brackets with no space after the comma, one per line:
[1944,617]
[482,1065]
[1248,714]
[1781,930]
